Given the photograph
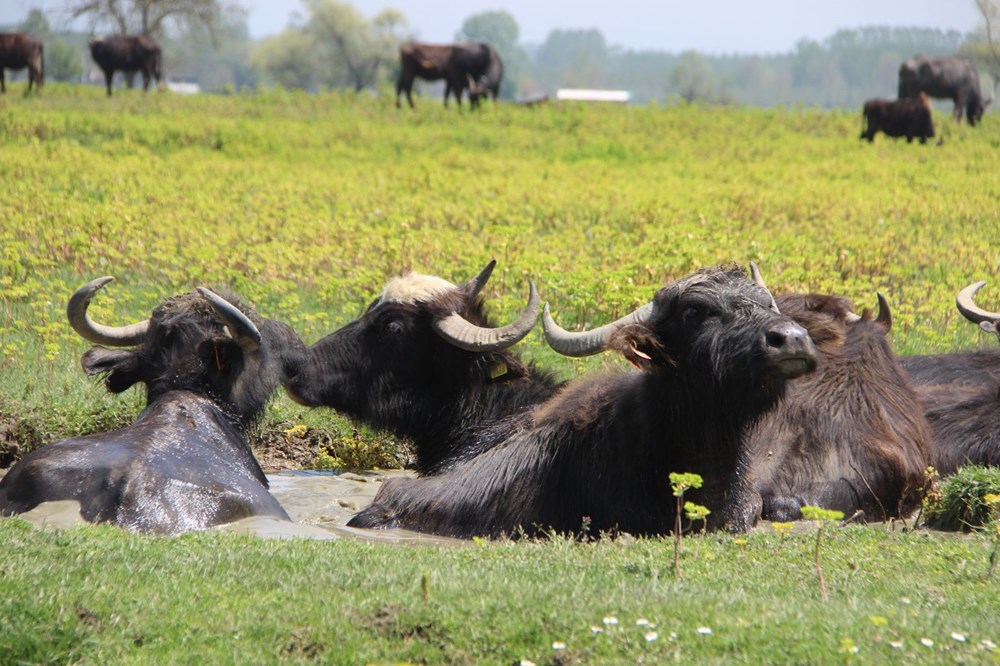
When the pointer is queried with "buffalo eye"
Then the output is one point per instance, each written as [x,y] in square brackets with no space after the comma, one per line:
[394,328]
[692,312]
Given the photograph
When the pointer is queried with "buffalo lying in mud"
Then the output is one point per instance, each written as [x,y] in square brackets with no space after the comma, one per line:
[423,363]
[596,457]
[209,365]
[960,393]
[850,436]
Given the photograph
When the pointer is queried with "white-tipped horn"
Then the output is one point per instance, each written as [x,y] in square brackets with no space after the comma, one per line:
[111,336]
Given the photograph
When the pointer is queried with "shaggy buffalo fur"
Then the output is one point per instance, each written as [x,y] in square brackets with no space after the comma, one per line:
[851,435]
[597,456]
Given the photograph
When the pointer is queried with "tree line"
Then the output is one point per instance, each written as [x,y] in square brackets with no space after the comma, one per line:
[334,46]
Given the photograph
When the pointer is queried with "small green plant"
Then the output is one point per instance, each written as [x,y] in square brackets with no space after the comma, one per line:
[680,482]
[961,502]
[820,517]
[696,512]
[993,501]
[782,530]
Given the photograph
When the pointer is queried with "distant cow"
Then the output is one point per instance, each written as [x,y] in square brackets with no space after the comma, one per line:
[849,436]
[596,457]
[423,363]
[19,50]
[961,395]
[902,117]
[949,77]
[128,55]
[209,365]
[476,67]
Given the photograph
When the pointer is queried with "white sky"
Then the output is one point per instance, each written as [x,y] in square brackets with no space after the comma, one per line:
[710,26]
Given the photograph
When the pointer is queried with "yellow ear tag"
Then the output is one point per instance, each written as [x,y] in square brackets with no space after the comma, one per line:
[498,370]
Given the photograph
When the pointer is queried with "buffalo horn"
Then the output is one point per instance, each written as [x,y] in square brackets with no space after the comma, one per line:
[460,332]
[970,310]
[884,313]
[111,336]
[476,284]
[241,329]
[591,342]
[759,281]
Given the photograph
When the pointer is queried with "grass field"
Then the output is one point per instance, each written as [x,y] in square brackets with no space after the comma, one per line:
[306,204]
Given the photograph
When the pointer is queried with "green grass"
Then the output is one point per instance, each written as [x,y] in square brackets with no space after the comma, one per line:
[307,204]
[101,595]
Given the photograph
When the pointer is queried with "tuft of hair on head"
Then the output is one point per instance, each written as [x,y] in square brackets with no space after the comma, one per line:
[415,288]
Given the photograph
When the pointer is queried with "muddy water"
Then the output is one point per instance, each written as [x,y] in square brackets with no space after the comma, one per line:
[319,504]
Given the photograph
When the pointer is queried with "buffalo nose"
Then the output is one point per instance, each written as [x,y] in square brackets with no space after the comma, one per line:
[790,348]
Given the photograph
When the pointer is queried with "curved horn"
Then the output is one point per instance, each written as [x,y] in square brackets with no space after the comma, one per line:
[591,342]
[970,310]
[241,329]
[457,330]
[884,313]
[759,281]
[476,284]
[111,336]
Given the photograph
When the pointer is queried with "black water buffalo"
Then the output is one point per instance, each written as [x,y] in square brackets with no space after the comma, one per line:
[948,77]
[209,365]
[476,67]
[850,436]
[422,363]
[19,50]
[902,117]
[596,457]
[128,55]
[960,393]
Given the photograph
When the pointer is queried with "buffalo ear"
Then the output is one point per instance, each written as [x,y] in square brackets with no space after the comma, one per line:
[641,348]
[121,366]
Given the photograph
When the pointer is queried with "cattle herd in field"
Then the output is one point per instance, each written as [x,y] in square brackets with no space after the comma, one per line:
[777,402]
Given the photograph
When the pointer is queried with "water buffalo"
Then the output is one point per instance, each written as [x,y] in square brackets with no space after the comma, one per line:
[948,77]
[596,457]
[960,393]
[128,55]
[850,436]
[19,50]
[903,117]
[423,363]
[476,67]
[209,365]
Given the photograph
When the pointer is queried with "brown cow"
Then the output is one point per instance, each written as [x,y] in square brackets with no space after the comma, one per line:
[19,50]
[128,55]
[901,117]
[850,436]
[476,67]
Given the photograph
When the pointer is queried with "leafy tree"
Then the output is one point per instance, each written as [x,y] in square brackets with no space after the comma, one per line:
[574,59]
[983,46]
[500,30]
[216,64]
[693,79]
[63,61]
[37,24]
[287,59]
[147,17]
[355,51]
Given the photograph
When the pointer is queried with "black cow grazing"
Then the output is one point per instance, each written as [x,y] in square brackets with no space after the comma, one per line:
[128,55]
[422,363]
[476,67]
[596,457]
[209,365]
[19,50]
[949,77]
[903,117]
[960,393]
[850,436]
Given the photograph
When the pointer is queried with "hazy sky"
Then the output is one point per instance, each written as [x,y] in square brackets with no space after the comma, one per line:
[711,26]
